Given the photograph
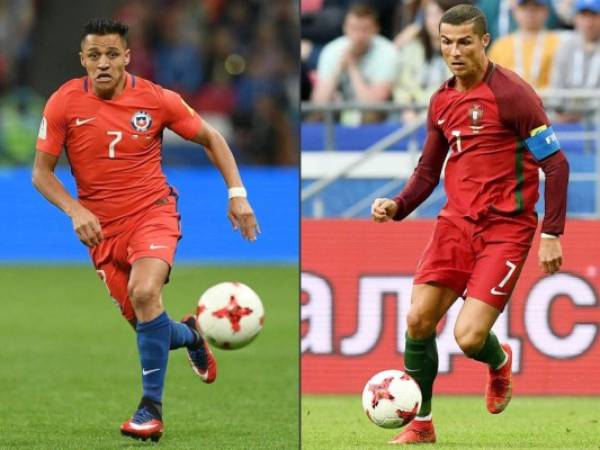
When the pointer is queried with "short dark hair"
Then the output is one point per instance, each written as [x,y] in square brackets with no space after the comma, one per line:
[102,27]
[363,10]
[461,14]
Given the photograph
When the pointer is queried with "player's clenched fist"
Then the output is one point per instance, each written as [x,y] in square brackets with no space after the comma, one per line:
[383,209]
[550,255]
[86,225]
[242,216]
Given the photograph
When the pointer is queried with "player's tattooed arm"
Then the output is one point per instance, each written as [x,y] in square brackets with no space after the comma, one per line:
[239,212]
[85,223]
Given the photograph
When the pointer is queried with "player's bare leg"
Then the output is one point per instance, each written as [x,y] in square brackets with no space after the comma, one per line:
[474,337]
[429,303]
[148,275]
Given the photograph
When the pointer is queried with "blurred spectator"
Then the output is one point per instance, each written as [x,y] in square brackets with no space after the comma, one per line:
[529,51]
[358,66]
[266,136]
[407,13]
[422,68]
[20,116]
[178,62]
[389,13]
[322,20]
[577,63]
[501,20]
[16,21]
[416,10]
[222,60]
[138,16]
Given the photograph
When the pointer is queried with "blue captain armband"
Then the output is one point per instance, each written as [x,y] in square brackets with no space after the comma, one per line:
[542,143]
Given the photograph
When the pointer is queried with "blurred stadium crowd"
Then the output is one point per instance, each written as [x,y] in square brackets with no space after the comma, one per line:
[234,61]
[388,50]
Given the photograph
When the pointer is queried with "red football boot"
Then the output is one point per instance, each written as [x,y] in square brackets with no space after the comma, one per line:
[416,432]
[200,356]
[146,423]
[498,390]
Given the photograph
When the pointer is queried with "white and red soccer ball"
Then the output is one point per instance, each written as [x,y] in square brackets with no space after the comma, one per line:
[230,315]
[391,399]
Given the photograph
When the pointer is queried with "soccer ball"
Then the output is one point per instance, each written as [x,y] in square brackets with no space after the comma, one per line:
[391,399]
[230,315]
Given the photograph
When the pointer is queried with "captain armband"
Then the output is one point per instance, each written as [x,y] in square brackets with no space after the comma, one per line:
[543,142]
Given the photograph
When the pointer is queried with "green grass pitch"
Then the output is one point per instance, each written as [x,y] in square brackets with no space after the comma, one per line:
[69,372]
[462,422]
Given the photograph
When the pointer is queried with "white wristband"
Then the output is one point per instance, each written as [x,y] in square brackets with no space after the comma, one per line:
[549,236]
[237,192]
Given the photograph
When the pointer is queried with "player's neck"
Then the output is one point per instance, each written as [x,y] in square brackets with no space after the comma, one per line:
[112,95]
[464,84]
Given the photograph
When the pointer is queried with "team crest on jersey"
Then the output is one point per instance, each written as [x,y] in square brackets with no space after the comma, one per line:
[141,121]
[476,117]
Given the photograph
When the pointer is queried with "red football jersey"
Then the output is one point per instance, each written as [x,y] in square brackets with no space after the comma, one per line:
[489,166]
[490,169]
[114,146]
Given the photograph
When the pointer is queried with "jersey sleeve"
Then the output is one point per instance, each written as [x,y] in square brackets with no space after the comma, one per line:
[427,173]
[527,120]
[529,115]
[53,128]
[179,116]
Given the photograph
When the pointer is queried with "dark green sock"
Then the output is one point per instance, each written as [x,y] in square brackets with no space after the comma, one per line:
[421,363]
[491,353]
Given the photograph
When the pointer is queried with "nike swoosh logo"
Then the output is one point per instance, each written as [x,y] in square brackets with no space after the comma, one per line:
[441,121]
[142,426]
[412,370]
[79,121]
[146,372]
[495,292]
[156,247]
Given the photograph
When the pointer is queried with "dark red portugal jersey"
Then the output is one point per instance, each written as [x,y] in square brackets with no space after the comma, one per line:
[489,168]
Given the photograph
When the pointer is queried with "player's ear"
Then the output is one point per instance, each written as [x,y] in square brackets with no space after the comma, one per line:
[127,56]
[486,38]
[81,59]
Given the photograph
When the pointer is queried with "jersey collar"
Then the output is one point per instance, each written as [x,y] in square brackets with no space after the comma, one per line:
[451,83]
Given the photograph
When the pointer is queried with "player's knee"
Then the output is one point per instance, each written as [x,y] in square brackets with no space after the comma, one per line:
[419,325]
[142,293]
[469,340]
